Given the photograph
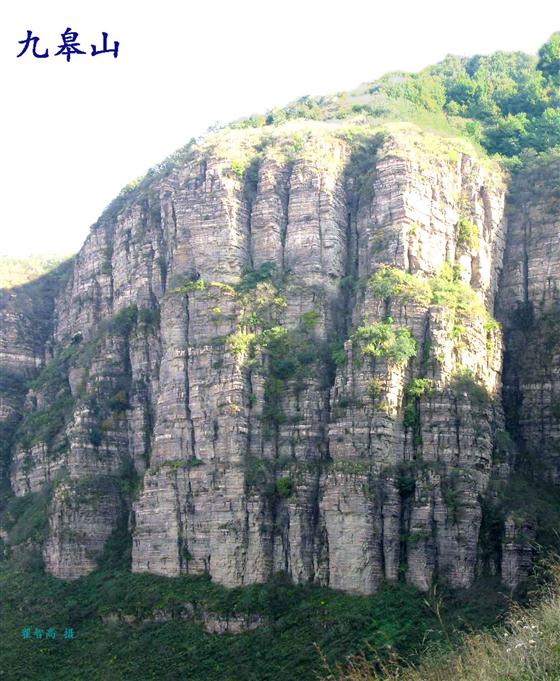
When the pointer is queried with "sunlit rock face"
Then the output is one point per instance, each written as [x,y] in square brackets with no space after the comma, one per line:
[235,372]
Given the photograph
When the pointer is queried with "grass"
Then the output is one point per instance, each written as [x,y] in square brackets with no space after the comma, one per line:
[526,648]
[297,619]
[365,106]
[298,622]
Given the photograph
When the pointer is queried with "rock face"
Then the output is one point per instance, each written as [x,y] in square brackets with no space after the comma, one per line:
[281,356]
[26,324]
[529,308]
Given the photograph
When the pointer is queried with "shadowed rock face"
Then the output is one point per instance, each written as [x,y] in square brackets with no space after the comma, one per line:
[223,374]
[530,312]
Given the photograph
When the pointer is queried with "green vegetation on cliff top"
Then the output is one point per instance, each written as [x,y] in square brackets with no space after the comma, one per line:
[508,102]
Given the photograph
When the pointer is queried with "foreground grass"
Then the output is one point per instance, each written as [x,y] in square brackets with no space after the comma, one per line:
[526,648]
[296,619]
[301,625]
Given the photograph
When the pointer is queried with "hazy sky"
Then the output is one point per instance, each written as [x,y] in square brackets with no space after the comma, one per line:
[73,134]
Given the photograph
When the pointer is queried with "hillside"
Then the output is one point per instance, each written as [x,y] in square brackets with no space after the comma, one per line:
[524,648]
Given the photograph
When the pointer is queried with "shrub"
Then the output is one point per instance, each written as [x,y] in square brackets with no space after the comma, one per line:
[12,383]
[348,400]
[272,412]
[390,282]
[376,339]
[523,316]
[53,378]
[419,387]
[284,487]
[382,340]
[374,388]
[276,117]
[182,283]
[464,381]
[451,496]
[467,234]
[149,317]
[267,271]
[241,342]
[404,347]
[122,323]
[338,355]
[95,435]
[178,464]
[405,480]
[26,517]
[410,416]
[523,648]
[43,426]
[445,289]
[119,401]
[459,298]
[348,283]
[309,319]
[185,553]
[258,474]
[238,168]
[504,447]
[191,286]
[290,353]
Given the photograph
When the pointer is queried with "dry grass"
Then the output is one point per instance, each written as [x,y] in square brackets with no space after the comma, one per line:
[527,648]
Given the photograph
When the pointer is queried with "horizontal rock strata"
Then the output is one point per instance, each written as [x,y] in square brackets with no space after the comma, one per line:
[280,357]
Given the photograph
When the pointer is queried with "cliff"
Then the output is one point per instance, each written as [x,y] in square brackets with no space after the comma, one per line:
[279,355]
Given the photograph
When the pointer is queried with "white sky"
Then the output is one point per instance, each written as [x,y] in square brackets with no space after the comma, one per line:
[73,134]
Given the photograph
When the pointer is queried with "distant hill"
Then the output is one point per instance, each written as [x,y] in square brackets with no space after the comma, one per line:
[15,271]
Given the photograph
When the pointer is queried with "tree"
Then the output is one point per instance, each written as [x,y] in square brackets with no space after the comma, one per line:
[545,131]
[549,58]
[508,136]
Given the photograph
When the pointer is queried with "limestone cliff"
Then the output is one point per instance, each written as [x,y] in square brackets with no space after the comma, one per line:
[280,355]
